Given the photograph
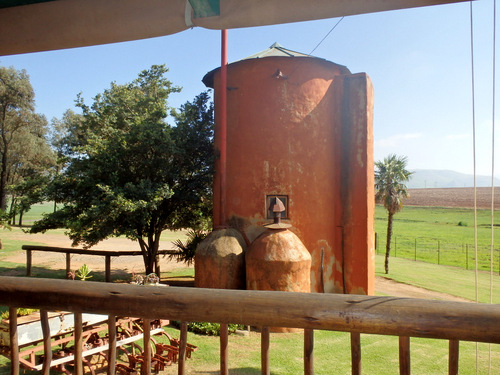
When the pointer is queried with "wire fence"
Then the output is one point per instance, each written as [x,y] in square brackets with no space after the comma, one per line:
[440,252]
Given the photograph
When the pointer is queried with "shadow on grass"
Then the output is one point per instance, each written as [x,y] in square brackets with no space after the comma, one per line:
[49,273]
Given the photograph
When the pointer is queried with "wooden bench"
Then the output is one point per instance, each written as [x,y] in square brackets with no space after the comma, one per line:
[107,254]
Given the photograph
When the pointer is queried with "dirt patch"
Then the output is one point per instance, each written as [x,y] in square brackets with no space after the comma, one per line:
[390,287]
[452,197]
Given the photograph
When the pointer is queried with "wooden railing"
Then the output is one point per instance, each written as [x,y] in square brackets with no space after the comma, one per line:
[403,317]
[107,254]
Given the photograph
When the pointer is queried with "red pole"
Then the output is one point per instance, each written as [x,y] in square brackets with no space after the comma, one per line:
[223,127]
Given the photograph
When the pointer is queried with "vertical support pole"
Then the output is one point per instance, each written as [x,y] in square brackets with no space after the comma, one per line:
[356,353]
[453,357]
[47,347]
[14,345]
[264,351]
[308,352]
[404,355]
[29,259]
[223,127]
[181,367]
[112,345]
[78,343]
[108,268]
[68,264]
[146,328]
[224,335]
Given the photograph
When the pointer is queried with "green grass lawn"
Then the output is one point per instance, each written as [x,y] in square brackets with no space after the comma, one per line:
[440,235]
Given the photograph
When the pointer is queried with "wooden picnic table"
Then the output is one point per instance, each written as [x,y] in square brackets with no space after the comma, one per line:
[107,254]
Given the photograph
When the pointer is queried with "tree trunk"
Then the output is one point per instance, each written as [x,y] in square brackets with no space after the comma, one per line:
[149,255]
[388,241]
[21,212]
[3,180]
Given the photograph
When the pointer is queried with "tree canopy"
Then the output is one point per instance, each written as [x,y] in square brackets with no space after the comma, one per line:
[128,172]
[25,156]
[390,175]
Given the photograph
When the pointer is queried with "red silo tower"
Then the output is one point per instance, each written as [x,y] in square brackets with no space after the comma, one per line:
[300,128]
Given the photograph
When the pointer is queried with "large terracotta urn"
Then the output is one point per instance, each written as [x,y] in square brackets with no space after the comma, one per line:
[220,260]
[278,261]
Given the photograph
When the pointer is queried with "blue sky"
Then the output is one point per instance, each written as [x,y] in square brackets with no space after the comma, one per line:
[418,59]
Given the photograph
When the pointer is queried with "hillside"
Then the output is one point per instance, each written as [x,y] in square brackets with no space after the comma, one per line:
[452,197]
[431,178]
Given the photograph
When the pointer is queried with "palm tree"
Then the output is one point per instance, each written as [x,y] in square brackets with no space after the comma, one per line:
[389,177]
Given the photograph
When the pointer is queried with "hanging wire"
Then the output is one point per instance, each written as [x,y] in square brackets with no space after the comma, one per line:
[326,36]
[492,211]
[474,163]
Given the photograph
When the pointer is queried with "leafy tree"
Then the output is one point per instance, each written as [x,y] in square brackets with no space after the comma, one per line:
[130,173]
[390,176]
[21,129]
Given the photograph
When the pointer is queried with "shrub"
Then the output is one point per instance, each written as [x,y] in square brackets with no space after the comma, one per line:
[208,329]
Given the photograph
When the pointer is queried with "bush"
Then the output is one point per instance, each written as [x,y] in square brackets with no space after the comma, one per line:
[208,329]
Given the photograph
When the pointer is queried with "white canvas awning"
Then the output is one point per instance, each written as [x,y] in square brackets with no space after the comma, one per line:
[41,25]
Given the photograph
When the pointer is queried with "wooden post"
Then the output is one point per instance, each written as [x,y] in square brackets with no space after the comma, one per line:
[264,351]
[453,357]
[47,347]
[108,268]
[68,264]
[14,347]
[78,343]
[181,367]
[224,364]
[28,262]
[404,355]
[112,345]
[146,328]
[356,353]
[308,352]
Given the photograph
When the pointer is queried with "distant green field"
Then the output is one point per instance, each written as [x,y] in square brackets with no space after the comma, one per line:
[36,212]
[440,235]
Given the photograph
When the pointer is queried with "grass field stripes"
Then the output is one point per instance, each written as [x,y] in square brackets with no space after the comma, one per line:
[440,235]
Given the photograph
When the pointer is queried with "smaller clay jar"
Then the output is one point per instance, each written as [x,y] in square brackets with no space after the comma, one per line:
[220,260]
[277,260]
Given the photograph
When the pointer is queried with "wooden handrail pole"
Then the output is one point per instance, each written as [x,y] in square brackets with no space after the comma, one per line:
[264,351]
[146,328]
[78,343]
[380,315]
[14,346]
[404,355]
[68,264]
[29,260]
[224,339]
[308,352]
[47,347]
[356,353]
[108,268]
[181,367]
[453,357]
[112,345]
